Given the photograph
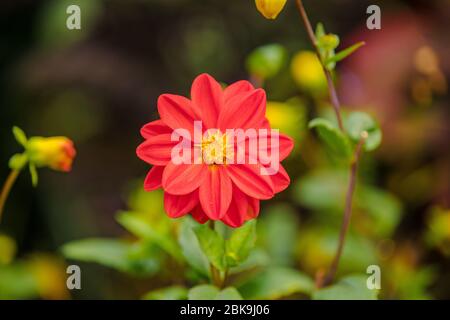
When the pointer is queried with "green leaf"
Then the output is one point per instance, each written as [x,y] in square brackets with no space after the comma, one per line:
[34,175]
[203,292]
[190,247]
[18,161]
[266,61]
[112,253]
[349,288]
[229,293]
[258,258]
[169,293]
[240,243]
[17,282]
[322,190]
[142,229]
[20,136]
[277,231]
[358,122]
[109,252]
[333,138]
[383,209]
[320,30]
[275,283]
[344,53]
[212,245]
[209,292]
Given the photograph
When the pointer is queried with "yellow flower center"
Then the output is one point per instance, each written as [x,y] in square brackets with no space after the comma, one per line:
[215,148]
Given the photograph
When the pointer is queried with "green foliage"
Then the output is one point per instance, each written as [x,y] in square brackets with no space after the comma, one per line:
[322,190]
[18,161]
[213,245]
[169,293]
[358,122]
[209,292]
[20,136]
[316,247]
[327,44]
[34,175]
[144,230]
[190,247]
[383,209]
[112,253]
[240,243]
[344,53]
[266,61]
[276,282]
[17,282]
[333,138]
[349,288]
[229,293]
[277,232]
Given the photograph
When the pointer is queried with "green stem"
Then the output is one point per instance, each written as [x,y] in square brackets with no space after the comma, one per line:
[331,88]
[347,212]
[6,189]
[216,276]
[215,273]
[354,166]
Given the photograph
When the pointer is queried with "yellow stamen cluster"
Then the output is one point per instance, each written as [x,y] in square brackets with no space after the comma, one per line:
[215,148]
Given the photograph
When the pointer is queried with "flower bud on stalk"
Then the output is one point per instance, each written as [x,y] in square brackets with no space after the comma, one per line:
[56,153]
[270,8]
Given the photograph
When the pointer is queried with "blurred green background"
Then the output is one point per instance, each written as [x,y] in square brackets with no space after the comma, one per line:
[99,85]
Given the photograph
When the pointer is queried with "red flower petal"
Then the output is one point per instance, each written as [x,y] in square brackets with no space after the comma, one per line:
[153,179]
[235,216]
[199,215]
[176,112]
[207,99]
[280,180]
[244,111]
[215,192]
[178,206]
[253,208]
[155,128]
[286,146]
[156,150]
[237,88]
[183,178]
[248,178]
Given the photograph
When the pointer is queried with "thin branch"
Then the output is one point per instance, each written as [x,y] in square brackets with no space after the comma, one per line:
[347,213]
[331,88]
[6,189]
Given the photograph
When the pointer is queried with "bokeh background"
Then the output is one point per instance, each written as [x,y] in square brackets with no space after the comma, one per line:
[99,85]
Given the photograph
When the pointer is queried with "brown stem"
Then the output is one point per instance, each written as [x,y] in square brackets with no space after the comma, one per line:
[331,88]
[6,189]
[347,213]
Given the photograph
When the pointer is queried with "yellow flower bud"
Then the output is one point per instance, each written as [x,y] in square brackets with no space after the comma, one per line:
[307,71]
[56,153]
[270,8]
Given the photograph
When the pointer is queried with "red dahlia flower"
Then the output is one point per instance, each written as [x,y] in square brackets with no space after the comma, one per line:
[216,188]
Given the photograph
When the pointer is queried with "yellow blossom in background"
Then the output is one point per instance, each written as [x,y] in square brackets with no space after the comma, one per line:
[288,117]
[50,276]
[8,249]
[438,233]
[308,72]
[270,8]
[56,153]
